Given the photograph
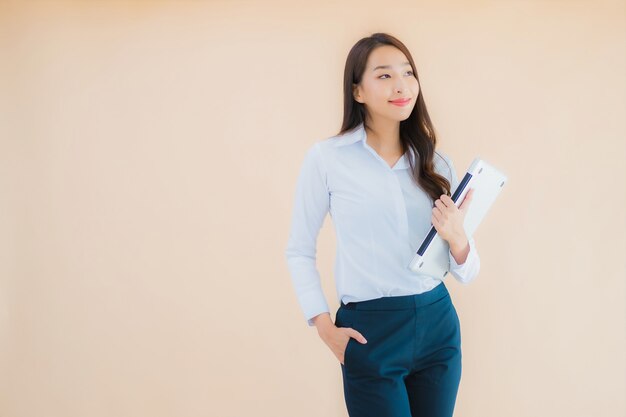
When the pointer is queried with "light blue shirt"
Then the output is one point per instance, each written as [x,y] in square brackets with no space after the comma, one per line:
[379,215]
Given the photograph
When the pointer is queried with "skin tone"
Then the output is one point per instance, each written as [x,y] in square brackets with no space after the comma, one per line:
[389,76]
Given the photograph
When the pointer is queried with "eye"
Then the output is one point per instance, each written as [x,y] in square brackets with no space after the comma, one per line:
[388,74]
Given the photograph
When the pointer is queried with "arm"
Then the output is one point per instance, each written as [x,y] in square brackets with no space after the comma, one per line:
[459,250]
[323,322]
[466,269]
[311,204]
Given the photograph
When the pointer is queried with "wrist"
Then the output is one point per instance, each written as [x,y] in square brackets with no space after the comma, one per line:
[323,322]
[459,249]
[458,243]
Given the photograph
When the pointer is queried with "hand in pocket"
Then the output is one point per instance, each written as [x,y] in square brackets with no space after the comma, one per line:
[338,338]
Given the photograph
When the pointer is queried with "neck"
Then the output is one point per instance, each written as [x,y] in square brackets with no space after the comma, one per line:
[384,136]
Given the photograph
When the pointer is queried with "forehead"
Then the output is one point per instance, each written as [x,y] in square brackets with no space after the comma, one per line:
[386,57]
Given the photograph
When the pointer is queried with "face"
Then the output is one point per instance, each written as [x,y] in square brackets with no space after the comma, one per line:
[388,76]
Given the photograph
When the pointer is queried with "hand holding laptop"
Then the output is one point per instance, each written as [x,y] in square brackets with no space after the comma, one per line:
[448,219]
[483,182]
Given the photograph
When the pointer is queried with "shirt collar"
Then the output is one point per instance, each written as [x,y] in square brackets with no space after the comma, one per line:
[358,135]
[351,136]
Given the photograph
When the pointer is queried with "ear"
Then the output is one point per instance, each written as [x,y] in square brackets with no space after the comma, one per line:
[356,93]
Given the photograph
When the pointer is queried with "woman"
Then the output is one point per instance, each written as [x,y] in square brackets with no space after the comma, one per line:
[396,333]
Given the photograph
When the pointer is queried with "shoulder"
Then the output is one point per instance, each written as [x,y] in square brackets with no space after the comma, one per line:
[331,143]
[349,137]
[316,155]
[325,148]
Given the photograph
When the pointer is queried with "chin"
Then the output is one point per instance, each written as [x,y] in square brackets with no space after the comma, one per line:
[399,117]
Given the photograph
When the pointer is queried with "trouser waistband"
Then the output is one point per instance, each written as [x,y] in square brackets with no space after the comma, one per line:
[400,302]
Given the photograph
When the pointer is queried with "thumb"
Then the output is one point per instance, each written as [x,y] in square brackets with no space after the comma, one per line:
[467,200]
[356,335]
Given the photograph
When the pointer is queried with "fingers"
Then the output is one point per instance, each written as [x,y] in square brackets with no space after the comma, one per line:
[435,221]
[440,212]
[445,203]
[446,200]
[356,335]
[351,334]
[436,213]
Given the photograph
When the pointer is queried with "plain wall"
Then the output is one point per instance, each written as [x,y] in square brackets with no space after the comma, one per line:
[148,160]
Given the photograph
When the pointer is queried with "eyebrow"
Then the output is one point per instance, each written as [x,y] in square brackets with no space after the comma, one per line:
[389,66]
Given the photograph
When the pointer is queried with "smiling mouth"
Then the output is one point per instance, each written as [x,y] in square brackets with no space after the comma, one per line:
[402,102]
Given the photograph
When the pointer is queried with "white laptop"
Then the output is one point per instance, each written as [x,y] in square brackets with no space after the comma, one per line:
[432,257]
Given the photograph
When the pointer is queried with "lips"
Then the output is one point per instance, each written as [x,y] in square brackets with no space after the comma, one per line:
[400,101]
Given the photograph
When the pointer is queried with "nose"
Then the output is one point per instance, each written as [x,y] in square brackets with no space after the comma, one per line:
[401,86]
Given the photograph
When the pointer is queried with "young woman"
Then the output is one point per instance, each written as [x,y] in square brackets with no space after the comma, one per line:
[396,333]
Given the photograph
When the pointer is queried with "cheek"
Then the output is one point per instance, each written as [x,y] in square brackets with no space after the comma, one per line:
[379,101]
[415,88]
[376,94]
[380,94]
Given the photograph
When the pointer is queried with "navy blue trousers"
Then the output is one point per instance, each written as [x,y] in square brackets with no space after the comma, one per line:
[411,363]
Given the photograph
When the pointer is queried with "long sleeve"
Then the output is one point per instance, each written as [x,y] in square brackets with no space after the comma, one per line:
[311,204]
[467,271]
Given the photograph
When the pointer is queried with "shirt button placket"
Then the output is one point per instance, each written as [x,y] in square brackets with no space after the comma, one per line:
[403,221]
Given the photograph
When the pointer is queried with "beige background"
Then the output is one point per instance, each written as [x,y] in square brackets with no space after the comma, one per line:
[148,158]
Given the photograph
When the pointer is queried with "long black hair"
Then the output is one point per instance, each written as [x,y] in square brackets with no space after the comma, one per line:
[416,132]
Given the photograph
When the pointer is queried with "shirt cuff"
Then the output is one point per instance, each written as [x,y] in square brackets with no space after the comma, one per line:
[310,320]
[468,270]
[314,303]
[457,266]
